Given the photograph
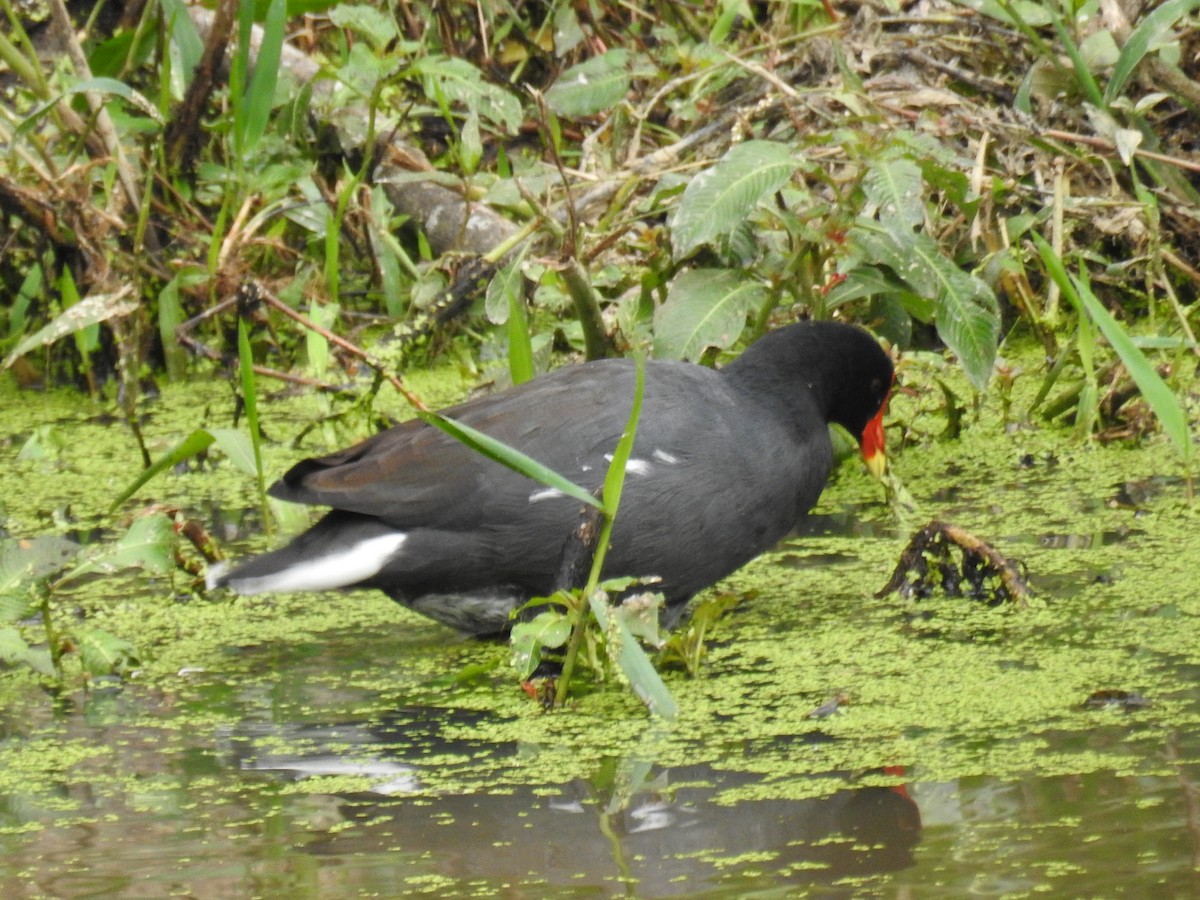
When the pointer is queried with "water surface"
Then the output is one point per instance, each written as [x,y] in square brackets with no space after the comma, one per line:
[338,746]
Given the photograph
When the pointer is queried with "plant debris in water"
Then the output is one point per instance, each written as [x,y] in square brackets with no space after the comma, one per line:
[945,556]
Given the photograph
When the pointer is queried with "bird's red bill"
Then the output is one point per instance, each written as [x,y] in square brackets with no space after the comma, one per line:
[873,445]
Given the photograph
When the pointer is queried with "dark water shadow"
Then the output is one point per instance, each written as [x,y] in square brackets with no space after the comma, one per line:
[648,830]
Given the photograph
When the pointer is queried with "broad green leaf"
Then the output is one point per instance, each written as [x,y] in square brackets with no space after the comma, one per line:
[193,445]
[894,186]
[508,456]
[704,308]
[500,290]
[18,605]
[1099,50]
[568,33]
[27,560]
[1148,33]
[378,27]
[877,281]
[639,613]
[1161,398]
[719,198]
[460,82]
[148,544]
[103,654]
[393,260]
[966,313]
[549,629]
[89,311]
[236,445]
[591,87]
[362,71]
[15,651]
[470,144]
[645,681]
[46,442]
[965,310]
[876,244]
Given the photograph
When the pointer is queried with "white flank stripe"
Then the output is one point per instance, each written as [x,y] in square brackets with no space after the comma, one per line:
[664,457]
[637,467]
[634,466]
[545,494]
[333,570]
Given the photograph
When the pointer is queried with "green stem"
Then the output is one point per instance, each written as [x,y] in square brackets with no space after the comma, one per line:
[595,339]
[614,481]
[584,614]
[51,634]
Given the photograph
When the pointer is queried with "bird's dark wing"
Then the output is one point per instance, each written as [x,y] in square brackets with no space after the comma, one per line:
[415,474]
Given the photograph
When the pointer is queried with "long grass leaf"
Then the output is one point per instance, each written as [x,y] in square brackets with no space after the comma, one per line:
[250,399]
[1084,79]
[520,344]
[614,479]
[508,456]
[1148,31]
[259,96]
[1158,394]
[184,38]
[1161,398]
[192,445]
[643,678]
[76,319]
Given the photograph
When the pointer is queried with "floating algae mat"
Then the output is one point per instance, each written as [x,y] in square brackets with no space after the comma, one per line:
[836,741]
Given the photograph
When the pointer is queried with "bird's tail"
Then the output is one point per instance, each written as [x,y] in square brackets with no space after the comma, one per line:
[341,550]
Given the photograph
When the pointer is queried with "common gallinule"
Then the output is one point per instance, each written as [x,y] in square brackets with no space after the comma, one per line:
[725,464]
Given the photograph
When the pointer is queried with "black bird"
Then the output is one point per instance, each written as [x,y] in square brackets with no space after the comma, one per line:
[725,464]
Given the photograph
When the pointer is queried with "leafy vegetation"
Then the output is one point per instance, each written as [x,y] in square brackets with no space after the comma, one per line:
[513,181]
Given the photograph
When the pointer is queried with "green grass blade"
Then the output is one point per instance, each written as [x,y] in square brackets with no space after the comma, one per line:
[185,38]
[75,319]
[520,345]
[643,677]
[1141,39]
[505,303]
[1161,398]
[193,445]
[259,97]
[508,456]
[1084,79]
[239,67]
[614,480]
[250,399]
